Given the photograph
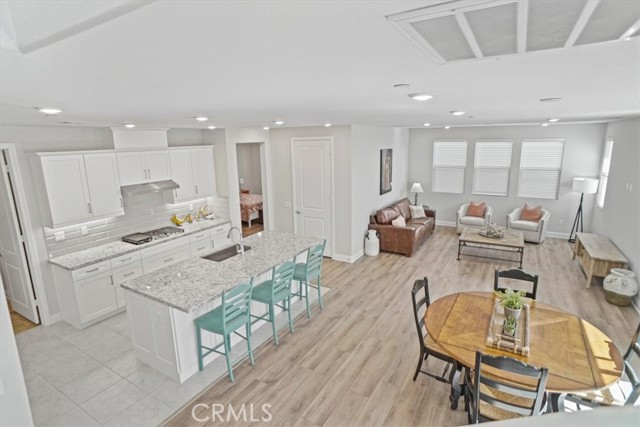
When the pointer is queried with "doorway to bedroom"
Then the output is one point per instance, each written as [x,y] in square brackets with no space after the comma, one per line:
[251,183]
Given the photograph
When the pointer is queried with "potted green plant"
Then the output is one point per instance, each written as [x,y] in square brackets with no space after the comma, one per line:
[509,326]
[511,301]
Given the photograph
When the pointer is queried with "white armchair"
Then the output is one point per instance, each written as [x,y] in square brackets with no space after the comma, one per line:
[463,220]
[534,232]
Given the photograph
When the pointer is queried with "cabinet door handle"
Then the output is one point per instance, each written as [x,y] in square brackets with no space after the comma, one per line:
[196,189]
[149,173]
[175,192]
[167,260]
[89,207]
[126,259]
[121,203]
[200,248]
[93,269]
[128,274]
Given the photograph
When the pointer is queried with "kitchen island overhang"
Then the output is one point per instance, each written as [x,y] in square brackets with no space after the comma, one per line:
[162,306]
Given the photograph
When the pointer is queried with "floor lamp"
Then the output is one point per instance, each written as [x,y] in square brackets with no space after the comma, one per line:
[584,186]
[416,188]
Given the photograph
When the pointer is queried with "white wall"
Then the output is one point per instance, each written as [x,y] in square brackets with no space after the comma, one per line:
[249,167]
[282,180]
[583,144]
[14,402]
[366,143]
[618,219]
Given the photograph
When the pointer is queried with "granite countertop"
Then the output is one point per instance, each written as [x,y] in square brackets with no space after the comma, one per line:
[114,249]
[189,285]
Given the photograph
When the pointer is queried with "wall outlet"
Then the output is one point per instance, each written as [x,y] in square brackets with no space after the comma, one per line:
[83,230]
[59,235]
[287,204]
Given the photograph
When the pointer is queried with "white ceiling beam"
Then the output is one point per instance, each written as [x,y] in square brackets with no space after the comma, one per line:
[468,34]
[584,17]
[632,29]
[523,21]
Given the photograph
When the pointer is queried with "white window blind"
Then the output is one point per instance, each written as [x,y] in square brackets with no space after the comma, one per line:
[604,172]
[540,168]
[491,167]
[449,162]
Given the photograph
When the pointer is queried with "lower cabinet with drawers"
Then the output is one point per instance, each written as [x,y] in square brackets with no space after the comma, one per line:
[93,293]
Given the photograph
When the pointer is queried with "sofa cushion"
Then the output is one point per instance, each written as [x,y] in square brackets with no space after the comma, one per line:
[418,221]
[417,211]
[403,206]
[525,225]
[477,209]
[472,220]
[531,213]
[399,222]
[386,215]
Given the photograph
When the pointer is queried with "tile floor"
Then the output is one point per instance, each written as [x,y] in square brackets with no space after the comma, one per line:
[90,377]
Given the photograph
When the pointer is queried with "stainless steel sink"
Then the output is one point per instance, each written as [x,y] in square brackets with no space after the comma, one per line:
[225,254]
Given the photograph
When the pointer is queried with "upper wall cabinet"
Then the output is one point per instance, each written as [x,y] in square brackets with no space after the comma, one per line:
[79,187]
[137,167]
[193,169]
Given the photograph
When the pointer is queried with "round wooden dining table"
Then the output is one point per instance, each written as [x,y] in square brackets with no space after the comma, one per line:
[578,355]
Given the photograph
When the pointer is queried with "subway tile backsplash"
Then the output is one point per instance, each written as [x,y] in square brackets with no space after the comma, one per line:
[142,212]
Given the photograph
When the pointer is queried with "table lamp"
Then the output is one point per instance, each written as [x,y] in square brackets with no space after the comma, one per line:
[416,188]
[584,186]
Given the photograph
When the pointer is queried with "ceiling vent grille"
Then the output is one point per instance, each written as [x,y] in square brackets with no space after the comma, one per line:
[474,29]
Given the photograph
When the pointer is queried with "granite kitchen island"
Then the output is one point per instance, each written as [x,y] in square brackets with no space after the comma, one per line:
[162,305]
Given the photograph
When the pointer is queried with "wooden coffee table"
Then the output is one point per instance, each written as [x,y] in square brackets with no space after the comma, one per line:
[513,241]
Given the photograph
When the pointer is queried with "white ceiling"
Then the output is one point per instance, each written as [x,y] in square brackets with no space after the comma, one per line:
[305,62]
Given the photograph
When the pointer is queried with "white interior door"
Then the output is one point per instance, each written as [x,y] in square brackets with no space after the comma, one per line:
[14,265]
[313,187]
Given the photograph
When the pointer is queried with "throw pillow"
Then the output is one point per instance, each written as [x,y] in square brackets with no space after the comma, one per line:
[386,215]
[417,211]
[531,213]
[477,209]
[399,222]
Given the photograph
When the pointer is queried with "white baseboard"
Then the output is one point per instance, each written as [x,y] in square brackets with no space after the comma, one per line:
[53,318]
[348,258]
[557,235]
[446,223]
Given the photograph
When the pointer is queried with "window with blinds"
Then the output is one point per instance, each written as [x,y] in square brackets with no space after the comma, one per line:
[491,167]
[604,172]
[540,168]
[449,163]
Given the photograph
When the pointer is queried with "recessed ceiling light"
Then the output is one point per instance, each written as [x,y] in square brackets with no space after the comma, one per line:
[401,85]
[266,128]
[129,125]
[627,39]
[426,124]
[327,125]
[201,118]
[545,124]
[553,120]
[420,96]
[457,113]
[49,111]
[550,99]
[447,127]
[211,127]
[278,122]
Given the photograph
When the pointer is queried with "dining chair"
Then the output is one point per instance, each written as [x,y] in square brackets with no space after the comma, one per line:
[516,274]
[310,270]
[622,393]
[428,347]
[232,314]
[273,291]
[489,398]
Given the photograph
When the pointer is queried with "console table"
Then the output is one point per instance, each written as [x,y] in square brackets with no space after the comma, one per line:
[597,255]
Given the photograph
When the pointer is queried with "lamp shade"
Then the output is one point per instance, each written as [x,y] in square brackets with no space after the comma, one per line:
[416,188]
[585,185]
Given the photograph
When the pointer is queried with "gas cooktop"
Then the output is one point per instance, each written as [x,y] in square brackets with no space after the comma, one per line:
[147,236]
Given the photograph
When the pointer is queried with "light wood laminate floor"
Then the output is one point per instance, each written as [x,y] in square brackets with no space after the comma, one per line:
[352,364]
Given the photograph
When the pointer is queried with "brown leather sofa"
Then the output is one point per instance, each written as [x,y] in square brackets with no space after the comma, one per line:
[402,240]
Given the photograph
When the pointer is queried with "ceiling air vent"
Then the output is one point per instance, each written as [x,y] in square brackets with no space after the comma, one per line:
[474,29]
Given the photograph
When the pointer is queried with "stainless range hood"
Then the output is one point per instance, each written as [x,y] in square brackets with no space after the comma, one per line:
[149,187]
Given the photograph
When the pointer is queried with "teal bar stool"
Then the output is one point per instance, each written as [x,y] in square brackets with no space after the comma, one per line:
[305,272]
[232,314]
[274,291]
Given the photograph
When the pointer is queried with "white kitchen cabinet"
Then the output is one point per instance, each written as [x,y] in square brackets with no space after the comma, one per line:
[136,167]
[204,175]
[104,184]
[181,173]
[96,297]
[123,273]
[67,192]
